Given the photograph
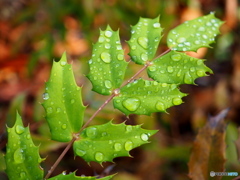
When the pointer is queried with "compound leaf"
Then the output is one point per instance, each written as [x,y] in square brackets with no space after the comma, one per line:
[102,143]
[107,65]
[194,34]
[146,97]
[63,102]
[72,176]
[177,68]
[22,156]
[144,41]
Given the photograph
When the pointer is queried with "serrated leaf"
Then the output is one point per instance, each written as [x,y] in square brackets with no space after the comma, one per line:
[194,34]
[72,176]
[22,156]
[63,102]
[107,65]
[102,143]
[146,97]
[145,38]
[177,68]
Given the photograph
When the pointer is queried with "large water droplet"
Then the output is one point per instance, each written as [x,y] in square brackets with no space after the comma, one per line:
[108,84]
[108,33]
[131,104]
[181,39]
[18,156]
[170,69]
[80,152]
[117,146]
[143,41]
[19,129]
[45,96]
[152,68]
[144,137]
[176,57]
[160,106]
[91,131]
[156,25]
[107,46]
[144,57]
[106,57]
[177,101]
[188,78]
[128,145]
[128,129]
[200,73]
[99,156]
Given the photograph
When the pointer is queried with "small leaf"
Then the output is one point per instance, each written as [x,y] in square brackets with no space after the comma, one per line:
[107,65]
[177,68]
[102,143]
[146,97]
[22,157]
[72,176]
[194,34]
[63,102]
[208,153]
[145,38]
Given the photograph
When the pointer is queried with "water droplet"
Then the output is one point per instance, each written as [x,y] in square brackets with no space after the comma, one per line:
[91,131]
[49,110]
[22,174]
[152,68]
[104,134]
[188,78]
[64,126]
[28,136]
[108,33]
[200,73]
[80,152]
[45,96]
[156,25]
[131,104]
[72,101]
[120,57]
[134,47]
[143,41]
[181,39]
[117,146]
[19,129]
[107,46]
[170,69]
[160,106]
[101,39]
[199,62]
[108,84]
[177,101]
[192,69]
[176,57]
[144,57]
[197,42]
[164,84]
[63,63]
[58,110]
[144,137]
[64,173]
[128,145]
[106,57]
[99,156]
[128,128]
[205,36]
[110,142]
[18,156]
[201,28]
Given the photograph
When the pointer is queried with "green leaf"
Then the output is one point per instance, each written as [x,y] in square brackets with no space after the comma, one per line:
[107,65]
[72,176]
[105,142]
[146,97]
[194,34]
[22,157]
[145,38]
[63,102]
[177,68]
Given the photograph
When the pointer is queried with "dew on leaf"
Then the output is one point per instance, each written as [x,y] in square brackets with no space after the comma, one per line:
[187,78]
[128,145]
[105,56]
[176,57]
[164,84]
[91,131]
[119,47]
[192,69]
[101,39]
[200,73]
[197,42]
[201,28]
[131,104]
[22,174]
[128,129]
[120,57]
[199,62]
[181,40]
[64,126]
[117,146]
[45,96]
[104,134]
[177,101]
[156,25]
[19,129]
[72,101]
[108,84]
[58,110]
[63,63]
[170,69]
[160,106]
[107,46]
[134,47]
[143,41]
[80,152]
[144,57]
[205,36]
[144,137]
[99,156]
[152,68]
[49,110]
[108,33]
[18,156]
[28,136]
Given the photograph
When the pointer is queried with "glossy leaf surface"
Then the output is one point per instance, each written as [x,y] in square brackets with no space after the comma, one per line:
[177,68]
[144,41]
[146,97]
[105,142]
[22,156]
[63,102]
[107,65]
[194,34]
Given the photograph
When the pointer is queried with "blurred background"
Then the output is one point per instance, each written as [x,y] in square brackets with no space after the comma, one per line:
[33,33]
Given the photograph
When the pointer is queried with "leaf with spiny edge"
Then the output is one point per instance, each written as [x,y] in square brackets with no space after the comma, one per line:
[194,34]
[107,65]
[22,156]
[177,68]
[63,102]
[102,143]
[145,97]
[72,176]
[144,41]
